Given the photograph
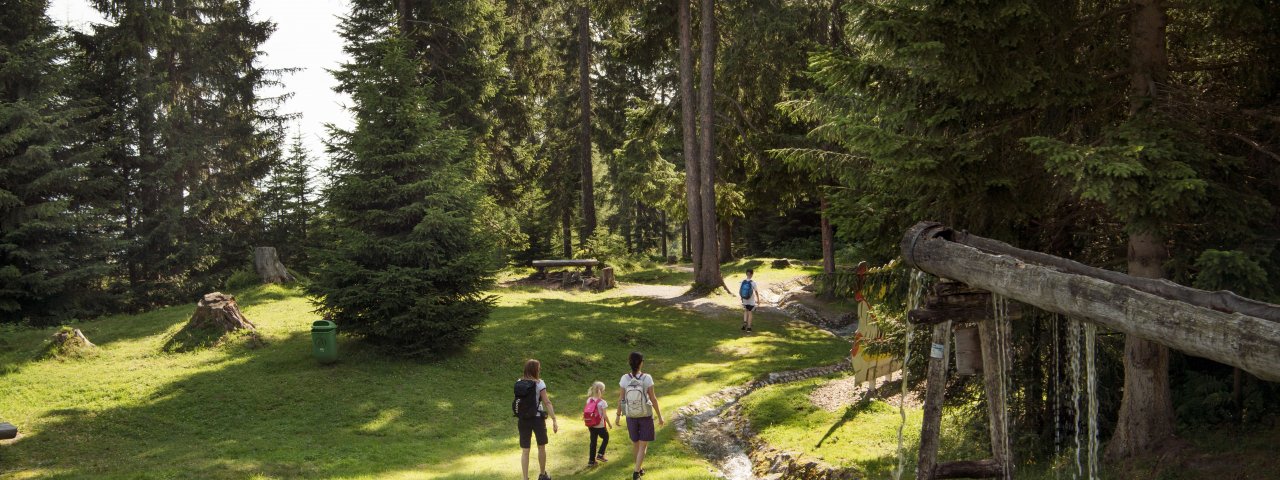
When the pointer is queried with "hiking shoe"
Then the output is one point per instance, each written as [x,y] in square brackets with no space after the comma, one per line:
[636,475]
[744,326]
[600,458]
[592,464]
[544,476]
[748,329]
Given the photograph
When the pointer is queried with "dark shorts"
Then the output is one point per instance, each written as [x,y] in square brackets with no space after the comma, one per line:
[749,307]
[640,428]
[533,426]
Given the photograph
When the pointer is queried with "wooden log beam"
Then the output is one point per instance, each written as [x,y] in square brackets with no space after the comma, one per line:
[1222,301]
[1249,342]
[969,469]
[935,388]
[933,316]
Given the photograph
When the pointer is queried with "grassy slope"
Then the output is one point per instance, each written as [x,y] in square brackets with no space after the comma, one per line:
[273,412]
[864,436]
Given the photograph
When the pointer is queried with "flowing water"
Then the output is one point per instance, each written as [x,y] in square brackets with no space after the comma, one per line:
[915,294]
[1057,407]
[1090,336]
[1073,349]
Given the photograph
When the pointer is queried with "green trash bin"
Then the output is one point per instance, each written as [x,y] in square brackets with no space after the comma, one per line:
[324,341]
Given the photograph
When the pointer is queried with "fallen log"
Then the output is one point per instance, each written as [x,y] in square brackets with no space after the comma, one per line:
[1233,338]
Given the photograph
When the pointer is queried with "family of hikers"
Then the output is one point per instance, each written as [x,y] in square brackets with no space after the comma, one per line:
[636,400]
[532,406]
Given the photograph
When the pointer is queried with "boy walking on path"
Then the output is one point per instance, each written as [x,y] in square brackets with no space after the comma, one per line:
[750,293]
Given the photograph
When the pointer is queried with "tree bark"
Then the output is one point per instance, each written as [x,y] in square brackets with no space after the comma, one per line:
[828,238]
[219,311]
[566,229]
[584,134]
[710,271]
[402,8]
[663,230]
[689,139]
[1145,419]
[1146,411]
[726,241]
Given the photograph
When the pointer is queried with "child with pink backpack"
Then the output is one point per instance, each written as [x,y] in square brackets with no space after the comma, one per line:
[597,420]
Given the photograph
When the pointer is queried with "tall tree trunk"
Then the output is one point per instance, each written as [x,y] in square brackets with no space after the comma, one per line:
[584,134]
[566,228]
[710,272]
[402,9]
[1146,411]
[726,241]
[689,140]
[663,231]
[684,240]
[828,238]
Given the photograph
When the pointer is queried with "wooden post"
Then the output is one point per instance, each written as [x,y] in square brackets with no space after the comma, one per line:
[996,401]
[936,387]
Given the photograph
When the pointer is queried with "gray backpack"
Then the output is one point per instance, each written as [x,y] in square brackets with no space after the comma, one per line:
[635,398]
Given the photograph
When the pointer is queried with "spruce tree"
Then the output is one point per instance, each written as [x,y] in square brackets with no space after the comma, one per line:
[288,206]
[406,265]
[186,136]
[51,256]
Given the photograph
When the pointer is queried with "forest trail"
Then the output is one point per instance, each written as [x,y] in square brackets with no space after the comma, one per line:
[714,425]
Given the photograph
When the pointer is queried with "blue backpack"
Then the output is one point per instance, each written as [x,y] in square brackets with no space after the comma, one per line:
[745,290]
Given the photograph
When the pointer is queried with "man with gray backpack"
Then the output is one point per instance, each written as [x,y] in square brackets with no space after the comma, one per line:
[640,404]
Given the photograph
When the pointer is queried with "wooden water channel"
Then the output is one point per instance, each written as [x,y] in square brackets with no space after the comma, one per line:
[1220,326]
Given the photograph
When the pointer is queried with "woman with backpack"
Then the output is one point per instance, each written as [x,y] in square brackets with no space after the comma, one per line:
[640,404]
[532,406]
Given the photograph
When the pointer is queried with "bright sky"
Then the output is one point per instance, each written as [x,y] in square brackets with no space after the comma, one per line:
[306,37]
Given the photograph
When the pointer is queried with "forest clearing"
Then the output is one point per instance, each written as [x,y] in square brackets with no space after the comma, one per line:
[811,239]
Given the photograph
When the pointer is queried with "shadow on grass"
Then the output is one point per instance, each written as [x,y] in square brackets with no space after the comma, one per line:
[850,412]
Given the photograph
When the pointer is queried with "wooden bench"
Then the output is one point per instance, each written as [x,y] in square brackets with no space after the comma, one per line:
[542,265]
[8,431]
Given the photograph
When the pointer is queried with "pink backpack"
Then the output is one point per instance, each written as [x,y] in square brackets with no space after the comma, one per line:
[591,413]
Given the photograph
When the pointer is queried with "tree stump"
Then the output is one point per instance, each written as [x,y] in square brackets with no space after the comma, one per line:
[219,310]
[71,338]
[68,342]
[267,262]
[607,279]
[216,315]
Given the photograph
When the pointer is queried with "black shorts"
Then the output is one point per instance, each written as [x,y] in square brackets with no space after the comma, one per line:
[533,426]
[749,307]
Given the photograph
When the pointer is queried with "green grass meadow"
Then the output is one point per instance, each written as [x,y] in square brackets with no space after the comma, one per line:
[131,411]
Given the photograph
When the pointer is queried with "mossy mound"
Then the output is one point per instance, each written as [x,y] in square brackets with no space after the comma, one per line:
[68,344]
